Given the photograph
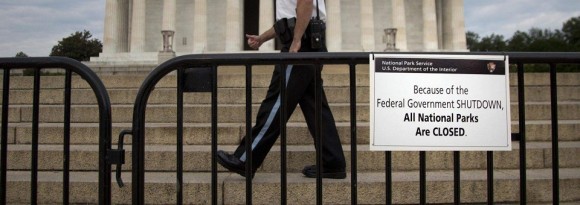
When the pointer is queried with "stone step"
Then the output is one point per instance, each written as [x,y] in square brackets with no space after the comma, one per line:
[170,81]
[160,188]
[198,158]
[439,186]
[235,77]
[236,113]
[127,96]
[335,94]
[232,133]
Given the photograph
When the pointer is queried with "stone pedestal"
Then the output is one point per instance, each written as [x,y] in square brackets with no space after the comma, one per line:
[390,39]
[167,52]
[165,56]
[167,40]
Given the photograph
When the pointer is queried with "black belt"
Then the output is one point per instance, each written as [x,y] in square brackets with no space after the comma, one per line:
[291,23]
[285,29]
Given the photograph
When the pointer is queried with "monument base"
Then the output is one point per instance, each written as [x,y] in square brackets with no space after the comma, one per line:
[165,56]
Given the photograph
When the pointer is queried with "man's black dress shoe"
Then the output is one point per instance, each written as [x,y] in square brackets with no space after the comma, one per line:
[310,172]
[232,163]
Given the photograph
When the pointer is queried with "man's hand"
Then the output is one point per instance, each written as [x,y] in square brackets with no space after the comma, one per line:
[254,41]
[295,47]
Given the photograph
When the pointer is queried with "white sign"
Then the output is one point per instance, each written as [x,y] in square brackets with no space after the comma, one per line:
[439,102]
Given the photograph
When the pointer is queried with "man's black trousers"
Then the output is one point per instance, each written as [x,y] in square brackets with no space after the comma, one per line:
[300,89]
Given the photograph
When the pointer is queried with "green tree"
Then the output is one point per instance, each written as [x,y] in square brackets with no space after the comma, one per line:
[79,46]
[472,40]
[571,31]
[493,42]
[27,71]
[547,40]
[518,42]
[21,54]
[534,40]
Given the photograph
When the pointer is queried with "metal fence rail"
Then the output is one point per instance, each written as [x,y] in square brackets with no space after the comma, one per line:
[70,66]
[108,156]
[213,61]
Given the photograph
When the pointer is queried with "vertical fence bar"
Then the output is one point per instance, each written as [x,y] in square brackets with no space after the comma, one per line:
[180,73]
[522,130]
[353,129]
[555,160]
[456,178]
[248,137]
[66,145]
[489,177]
[388,178]
[214,124]
[35,120]
[318,133]
[4,151]
[283,157]
[138,139]
[422,178]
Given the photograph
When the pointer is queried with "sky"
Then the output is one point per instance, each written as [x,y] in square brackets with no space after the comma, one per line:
[35,26]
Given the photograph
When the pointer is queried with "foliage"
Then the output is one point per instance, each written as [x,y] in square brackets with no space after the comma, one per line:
[565,40]
[26,72]
[472,40]
[490,43]
[21,54]
[571,31]
[534,40]
[79,46]
[30,71]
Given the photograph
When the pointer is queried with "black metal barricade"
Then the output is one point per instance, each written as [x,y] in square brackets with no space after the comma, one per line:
[71,67]
[213,61]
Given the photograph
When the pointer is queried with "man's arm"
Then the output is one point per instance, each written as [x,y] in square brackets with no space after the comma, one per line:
[303,15]
[256,41]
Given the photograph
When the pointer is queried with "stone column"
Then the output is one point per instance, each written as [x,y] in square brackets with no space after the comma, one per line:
[367,27]
[110,40]
[459,39]
[138,27]
[168,25]
[234,33]
[266,22]
[169,10]
[122,26]
[439,8]
[430,37]
[333,26]
[200,26]
[167,31]
[454,26]
[399,22]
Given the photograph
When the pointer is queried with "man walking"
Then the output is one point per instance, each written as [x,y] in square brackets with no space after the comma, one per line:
[292,28]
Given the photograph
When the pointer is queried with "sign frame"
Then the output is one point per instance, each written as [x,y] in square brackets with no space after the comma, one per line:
[452,102]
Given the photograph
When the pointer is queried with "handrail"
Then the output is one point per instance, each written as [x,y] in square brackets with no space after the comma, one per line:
[103,101]
[108,157]
[347,58]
